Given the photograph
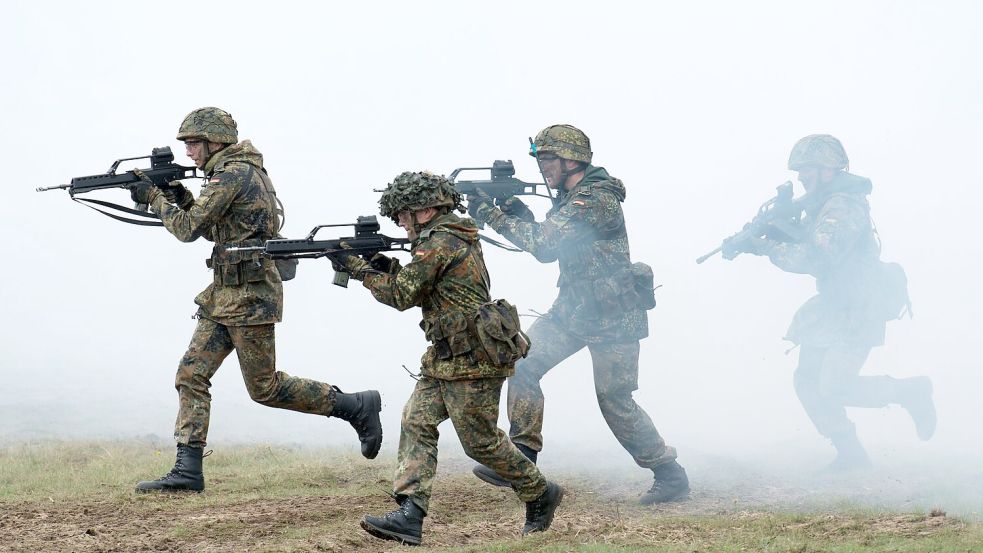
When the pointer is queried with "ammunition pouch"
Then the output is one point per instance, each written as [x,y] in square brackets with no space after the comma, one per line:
[492,334]
[626,290]
[237,268]
[889,293]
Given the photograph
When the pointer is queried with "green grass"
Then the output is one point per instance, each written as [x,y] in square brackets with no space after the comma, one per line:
[78,497]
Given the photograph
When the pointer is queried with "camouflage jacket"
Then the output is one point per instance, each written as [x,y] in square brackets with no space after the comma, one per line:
[585,232]
[235,207]
[447,278]
[839,247]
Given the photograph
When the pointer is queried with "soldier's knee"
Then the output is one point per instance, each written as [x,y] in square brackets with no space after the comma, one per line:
[480,448]
[614,399]
[526,376]
[263,395]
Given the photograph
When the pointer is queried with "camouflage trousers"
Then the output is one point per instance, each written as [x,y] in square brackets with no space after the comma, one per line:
[827,380]
[255,347]
[472,406]
[615,378]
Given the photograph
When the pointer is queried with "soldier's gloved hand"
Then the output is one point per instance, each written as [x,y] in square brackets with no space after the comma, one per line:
[385,264]
[517,208]
[356,266]
[178,195]
[142,192]
[480,207]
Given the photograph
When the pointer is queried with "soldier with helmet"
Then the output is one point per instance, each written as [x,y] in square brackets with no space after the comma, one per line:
[237,311]
[857,295]
[475,342]
[601,305]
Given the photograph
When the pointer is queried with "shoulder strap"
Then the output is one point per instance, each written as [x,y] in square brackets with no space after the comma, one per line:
[109,205]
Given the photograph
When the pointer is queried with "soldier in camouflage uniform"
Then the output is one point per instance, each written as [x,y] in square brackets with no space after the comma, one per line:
[474,344]
[237,311]
[857,295]
[601,305]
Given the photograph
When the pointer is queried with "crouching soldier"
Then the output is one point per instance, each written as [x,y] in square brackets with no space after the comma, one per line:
[474,345]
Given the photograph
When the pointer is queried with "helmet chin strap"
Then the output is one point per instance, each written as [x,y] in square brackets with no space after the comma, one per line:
[565,175]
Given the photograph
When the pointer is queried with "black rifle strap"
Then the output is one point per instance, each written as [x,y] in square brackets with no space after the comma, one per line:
[498,244]
[109,205]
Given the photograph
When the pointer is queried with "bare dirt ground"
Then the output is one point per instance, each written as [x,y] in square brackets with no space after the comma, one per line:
[317,504]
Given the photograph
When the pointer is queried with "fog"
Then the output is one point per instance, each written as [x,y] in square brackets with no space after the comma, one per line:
[695,106]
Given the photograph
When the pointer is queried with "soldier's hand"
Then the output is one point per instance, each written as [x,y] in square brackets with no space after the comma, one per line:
[177,194]
[357,267]
[517,208]
[142,191]
[480,206]
[385,264]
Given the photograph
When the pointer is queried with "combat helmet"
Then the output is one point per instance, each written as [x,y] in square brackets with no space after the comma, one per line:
[413,191]
[818,149]
[566,141]
[211,124]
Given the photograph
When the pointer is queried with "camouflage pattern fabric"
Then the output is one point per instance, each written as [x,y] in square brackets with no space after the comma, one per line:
[565,141]
[822,150]
[472,405]
[235,207]
[255,346]
[827,380]
[211,124]
[447,274]
[615,378]
[585,232]
[840,249]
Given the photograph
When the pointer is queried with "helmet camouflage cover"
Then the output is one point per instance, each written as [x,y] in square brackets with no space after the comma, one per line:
[822,150]
[418,190]
[211,124]
[565,141]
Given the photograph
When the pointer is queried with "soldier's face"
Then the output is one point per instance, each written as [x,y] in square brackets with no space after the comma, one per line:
[812,175]
[552,168]
[196,151]
[423,216]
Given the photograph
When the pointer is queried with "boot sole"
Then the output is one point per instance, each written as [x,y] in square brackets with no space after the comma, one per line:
[388,535]
[168,490]
[375,406]
[487,478]
[681,496]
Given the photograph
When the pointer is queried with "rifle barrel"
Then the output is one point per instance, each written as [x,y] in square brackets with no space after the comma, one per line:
[58,187]
[703,258]
[245,249]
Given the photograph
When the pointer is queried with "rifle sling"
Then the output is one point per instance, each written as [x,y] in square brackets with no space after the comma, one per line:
[109,205]
[498,244]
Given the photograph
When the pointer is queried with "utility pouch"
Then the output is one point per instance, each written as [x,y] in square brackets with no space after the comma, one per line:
[625,290]
[499,333]
[644,285]
[449,334]
[236,269]
[889,296]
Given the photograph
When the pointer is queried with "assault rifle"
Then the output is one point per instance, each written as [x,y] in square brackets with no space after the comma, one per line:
[162,171]
[501,186]
[777,219]
[366,243]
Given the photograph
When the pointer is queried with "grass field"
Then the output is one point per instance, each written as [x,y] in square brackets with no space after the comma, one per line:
[77,496]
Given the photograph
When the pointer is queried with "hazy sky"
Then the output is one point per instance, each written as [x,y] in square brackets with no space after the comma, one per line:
[695,105]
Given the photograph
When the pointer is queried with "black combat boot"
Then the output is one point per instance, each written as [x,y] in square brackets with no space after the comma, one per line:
[670,484]
[186,476]
[850,454]
[488,475]
[361,409]
[916,398]
[404,525]
[539,511]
